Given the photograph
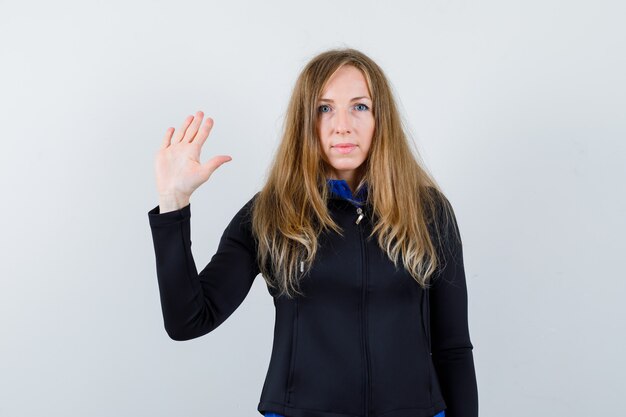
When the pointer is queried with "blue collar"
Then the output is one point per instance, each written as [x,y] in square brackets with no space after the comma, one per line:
[341,189]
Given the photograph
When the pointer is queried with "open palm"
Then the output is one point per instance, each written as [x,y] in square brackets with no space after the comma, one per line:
[177,165]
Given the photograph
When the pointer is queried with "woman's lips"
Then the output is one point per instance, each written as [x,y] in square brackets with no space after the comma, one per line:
[344,147]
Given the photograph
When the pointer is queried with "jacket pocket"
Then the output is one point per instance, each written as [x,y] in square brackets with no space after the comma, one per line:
[427,342]
[294,348]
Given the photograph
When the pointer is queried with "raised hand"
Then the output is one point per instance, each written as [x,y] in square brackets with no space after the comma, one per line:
[177,164]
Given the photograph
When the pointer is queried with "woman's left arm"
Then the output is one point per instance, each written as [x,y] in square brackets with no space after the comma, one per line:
[450,339]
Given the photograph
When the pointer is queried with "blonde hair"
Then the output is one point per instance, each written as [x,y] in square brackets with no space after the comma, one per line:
[291,209]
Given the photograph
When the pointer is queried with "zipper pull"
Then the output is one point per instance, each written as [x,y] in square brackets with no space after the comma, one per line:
[301,266]
[360,211]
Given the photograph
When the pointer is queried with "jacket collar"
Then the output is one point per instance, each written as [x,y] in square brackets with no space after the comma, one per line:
[340,189]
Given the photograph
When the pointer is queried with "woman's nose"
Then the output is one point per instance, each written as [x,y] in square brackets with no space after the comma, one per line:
[342,121]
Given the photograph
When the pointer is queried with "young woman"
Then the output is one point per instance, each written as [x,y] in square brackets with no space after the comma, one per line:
[357,244]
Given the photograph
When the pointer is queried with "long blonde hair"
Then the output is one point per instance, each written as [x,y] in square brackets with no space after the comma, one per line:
[291,210]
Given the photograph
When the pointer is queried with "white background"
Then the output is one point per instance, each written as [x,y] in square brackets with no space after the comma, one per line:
[517,108]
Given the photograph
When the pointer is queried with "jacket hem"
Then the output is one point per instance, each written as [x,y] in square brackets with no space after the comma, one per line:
[436,408]
[287,411]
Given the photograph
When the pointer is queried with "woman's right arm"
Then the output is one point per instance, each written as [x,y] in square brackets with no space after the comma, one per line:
[194,304]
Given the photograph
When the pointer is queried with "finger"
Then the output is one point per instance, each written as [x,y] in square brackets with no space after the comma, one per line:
[204,131]
[167,138]
[193,128]
[212,164]
[181,132]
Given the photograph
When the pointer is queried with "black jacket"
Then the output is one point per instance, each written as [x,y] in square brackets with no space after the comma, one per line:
[364,341]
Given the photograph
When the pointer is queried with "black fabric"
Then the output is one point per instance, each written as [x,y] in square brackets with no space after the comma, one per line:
[356,344]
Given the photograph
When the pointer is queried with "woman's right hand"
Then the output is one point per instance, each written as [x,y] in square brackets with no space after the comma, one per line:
[177,165]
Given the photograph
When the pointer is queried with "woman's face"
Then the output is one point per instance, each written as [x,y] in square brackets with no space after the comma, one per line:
[345,123]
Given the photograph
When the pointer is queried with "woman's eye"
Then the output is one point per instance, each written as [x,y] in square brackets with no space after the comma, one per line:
[324,108]
[363,107]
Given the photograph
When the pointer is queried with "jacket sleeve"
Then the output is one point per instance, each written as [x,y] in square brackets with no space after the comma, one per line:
[194,304]
[450,339]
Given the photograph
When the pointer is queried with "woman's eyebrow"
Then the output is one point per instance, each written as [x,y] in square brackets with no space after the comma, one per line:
[355,98]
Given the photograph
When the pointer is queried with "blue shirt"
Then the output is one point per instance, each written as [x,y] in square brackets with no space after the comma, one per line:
[341,189]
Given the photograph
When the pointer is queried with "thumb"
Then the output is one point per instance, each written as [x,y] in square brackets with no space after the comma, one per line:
[212,164]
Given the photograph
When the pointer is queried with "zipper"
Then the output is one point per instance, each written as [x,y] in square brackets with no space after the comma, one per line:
[359,211]
[366,399]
